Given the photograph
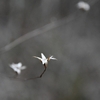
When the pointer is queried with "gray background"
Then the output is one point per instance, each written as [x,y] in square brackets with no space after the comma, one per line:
[53,27]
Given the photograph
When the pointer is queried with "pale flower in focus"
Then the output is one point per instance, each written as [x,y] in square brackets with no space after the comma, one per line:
[45,60]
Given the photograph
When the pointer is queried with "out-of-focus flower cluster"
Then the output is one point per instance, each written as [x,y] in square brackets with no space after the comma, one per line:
[83,5]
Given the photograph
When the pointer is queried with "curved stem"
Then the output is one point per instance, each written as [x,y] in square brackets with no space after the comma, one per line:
[40,75]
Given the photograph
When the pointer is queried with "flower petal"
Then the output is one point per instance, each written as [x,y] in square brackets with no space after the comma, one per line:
[19,64]
[38,58]
[43,56]
[23,67]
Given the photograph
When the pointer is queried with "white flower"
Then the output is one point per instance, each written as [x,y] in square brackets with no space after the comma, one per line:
[17,67]
[45,60]
[83,5]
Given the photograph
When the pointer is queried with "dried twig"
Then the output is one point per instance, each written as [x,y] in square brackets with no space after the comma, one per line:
[36,32]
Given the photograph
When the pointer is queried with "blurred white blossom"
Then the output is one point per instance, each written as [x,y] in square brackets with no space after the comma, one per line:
[17,67]
[45,60]
[83,5]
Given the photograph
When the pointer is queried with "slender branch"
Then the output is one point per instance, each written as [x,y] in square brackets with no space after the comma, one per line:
[41,30]
[36,32]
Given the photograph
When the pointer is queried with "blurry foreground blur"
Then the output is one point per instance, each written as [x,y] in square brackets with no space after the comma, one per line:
[53,27]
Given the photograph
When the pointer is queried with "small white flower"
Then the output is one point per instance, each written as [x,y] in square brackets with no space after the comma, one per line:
[83,5]
[17,67]
[45,60]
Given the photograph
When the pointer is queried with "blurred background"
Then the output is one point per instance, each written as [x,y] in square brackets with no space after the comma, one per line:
[53,27]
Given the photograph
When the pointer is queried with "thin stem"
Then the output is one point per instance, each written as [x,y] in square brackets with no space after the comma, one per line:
[40,75]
